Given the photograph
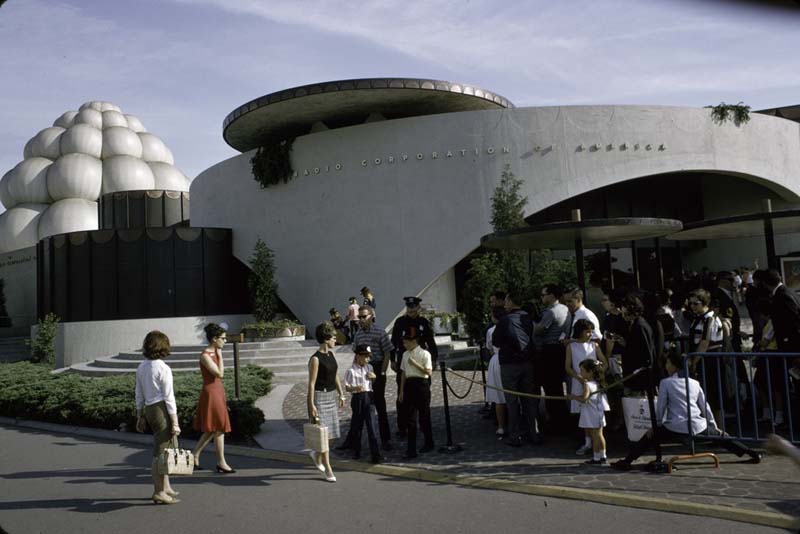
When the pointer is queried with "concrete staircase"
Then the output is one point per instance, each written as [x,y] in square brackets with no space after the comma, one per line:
[287,359]
[13,349]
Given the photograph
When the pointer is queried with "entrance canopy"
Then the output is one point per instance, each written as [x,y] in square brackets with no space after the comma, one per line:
[747,225]
[590,233]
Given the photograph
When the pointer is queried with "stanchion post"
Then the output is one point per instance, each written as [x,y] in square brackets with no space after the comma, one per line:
[483,378]
[236,388]
[450,448]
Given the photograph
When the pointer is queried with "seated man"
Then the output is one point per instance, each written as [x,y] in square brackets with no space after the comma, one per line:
[673,415]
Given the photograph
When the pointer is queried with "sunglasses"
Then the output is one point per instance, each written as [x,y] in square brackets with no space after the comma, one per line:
[363,316]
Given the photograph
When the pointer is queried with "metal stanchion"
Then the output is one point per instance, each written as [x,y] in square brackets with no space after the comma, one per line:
[486,408]
[236,387]
[450,448]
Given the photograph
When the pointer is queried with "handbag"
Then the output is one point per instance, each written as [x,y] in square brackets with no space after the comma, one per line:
[176,461]
[637,416]
[315,436]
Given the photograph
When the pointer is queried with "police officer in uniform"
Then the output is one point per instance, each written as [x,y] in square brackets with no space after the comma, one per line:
[402,326]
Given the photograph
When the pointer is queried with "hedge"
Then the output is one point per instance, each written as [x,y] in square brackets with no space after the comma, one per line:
[32,391]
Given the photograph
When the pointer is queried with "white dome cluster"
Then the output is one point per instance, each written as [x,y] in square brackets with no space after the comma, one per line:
[68,166]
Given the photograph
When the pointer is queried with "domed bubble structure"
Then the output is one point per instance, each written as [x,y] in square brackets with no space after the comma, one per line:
[66,167]
[19,226]
[68,215]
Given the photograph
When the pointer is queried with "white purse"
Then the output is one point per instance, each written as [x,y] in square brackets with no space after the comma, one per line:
[315,436]
[176,461]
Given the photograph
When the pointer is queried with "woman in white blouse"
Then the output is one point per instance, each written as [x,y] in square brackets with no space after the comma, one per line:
[155,406]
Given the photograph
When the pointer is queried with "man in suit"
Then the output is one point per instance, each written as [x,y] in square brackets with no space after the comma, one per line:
[785,312]
[724,296]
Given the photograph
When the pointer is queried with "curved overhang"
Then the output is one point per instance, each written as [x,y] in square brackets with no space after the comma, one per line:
[740,226]
[328,105]
[591,233]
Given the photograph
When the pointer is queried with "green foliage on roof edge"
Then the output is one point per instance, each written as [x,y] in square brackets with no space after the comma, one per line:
[272,164]
[738,113]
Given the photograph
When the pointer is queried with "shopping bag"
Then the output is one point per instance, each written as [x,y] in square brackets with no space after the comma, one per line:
[637,416]
[176,461]
[315,436]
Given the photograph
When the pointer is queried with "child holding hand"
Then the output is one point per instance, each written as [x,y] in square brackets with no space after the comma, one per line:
[593,406]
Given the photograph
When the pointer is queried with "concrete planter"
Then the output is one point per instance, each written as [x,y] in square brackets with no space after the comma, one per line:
[271,333]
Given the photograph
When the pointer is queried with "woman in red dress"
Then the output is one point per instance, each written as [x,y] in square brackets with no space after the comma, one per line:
[212,409]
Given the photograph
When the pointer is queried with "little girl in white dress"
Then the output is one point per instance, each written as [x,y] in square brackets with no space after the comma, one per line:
[581,348]
[593,406]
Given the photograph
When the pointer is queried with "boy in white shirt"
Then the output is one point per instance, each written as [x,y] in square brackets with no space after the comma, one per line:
[358,381]
[415,392]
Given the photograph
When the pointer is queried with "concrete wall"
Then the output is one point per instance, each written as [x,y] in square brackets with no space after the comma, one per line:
[85,341]
[394,204]
[18,271]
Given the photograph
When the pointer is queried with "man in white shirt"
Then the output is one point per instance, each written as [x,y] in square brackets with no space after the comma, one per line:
[674,416]
[574,302]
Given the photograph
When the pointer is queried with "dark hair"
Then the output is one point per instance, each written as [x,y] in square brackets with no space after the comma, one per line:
[595,367]
[772,278]
[581,326]
[498,312]
[332,311]
[155,345]
[324,332]
[675,358]
[553,289]
[213,330]
[633,304]
[367,308]
[514,296]
[353,300]
[702,295]
[759,275]
[365,289]
[576,294]
[764,306]
[499,295]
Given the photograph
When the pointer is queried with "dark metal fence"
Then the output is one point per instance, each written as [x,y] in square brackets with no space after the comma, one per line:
[740,385]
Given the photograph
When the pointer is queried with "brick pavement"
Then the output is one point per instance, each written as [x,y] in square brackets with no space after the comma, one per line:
[771,486]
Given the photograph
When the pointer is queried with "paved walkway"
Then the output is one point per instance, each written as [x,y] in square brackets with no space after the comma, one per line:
[771,486]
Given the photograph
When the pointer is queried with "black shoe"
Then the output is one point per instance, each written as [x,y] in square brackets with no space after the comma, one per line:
[344,447]
[755,457]
[408,456]
[621,465]
[601,461]
[515,442]
[426,448]
[386,445]
[377,459]
[225,471]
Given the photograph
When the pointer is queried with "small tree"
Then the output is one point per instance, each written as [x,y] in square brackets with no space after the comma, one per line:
[483,277]
[508,213]
[43,349]
[262,284]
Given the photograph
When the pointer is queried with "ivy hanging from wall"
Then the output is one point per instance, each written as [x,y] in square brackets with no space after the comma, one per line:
[272,164]
[738,113]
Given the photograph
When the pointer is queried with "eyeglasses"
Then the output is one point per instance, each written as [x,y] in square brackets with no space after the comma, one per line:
[364,316]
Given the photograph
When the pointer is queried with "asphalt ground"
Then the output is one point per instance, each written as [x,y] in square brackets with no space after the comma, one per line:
[59,483]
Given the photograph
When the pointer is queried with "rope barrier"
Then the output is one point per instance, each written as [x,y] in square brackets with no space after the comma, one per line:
[547,397]
[472,383]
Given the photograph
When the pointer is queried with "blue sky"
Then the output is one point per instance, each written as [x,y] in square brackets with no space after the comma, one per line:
[182,65]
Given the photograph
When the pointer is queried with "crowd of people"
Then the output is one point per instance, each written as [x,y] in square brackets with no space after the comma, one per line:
[564,354]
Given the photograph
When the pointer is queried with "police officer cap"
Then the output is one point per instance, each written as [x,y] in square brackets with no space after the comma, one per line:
[362,349]
[411,333]
[412,302]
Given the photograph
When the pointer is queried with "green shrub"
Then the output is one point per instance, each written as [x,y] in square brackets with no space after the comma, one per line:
[43,348]
[246,419]
[261,282]
[32,392]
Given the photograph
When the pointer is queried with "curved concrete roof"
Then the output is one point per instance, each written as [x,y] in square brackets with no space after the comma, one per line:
[293,112]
